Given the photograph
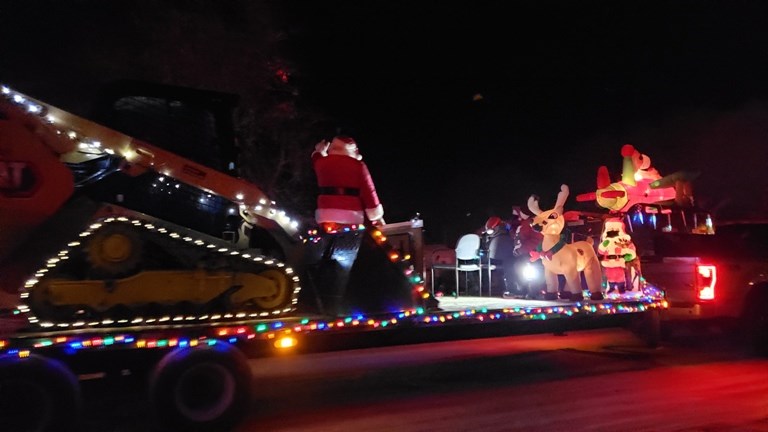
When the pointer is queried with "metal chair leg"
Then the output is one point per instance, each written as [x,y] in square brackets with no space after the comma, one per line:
[456,292]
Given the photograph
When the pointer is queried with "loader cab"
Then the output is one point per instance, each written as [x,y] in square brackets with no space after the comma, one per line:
[195,124]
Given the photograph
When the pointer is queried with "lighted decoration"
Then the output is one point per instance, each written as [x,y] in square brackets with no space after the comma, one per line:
[190,335]
[176,235]
[347,193]
[348,201]
[640,184]
[562,258]
[419,293]
[618,256]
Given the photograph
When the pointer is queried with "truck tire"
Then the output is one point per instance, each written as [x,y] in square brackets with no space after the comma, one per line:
[754,321]
[202,389]
[652,328]
[38,394]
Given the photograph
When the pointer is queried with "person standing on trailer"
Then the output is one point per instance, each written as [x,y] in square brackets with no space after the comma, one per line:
[528,279]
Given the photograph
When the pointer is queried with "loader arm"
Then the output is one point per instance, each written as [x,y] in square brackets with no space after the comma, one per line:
[75,139]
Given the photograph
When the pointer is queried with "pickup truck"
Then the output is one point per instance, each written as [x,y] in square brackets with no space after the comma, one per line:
[709,274]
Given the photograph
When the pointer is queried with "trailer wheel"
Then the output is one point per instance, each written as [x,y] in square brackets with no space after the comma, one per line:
[202,389]
[38,394]
[647,326]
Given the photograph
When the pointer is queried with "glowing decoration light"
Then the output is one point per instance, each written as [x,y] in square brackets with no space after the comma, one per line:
[529,272]
[618,256]
[53,262]
[559,257]
[640,183]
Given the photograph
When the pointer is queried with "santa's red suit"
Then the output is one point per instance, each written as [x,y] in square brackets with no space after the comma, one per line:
[527,239]
[347,194]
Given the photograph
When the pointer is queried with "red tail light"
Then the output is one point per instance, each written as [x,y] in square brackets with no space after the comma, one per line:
[706,277]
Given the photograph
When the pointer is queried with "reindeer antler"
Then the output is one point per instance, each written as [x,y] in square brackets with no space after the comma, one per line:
[533,204]
[562,196]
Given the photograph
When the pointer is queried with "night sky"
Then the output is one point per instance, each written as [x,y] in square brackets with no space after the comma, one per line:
[563,84]
[462,111]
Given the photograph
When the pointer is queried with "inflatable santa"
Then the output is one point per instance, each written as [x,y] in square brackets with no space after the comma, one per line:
[617,255]
[347,193]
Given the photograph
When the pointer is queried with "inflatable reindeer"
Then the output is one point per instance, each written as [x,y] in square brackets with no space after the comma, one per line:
[562,258]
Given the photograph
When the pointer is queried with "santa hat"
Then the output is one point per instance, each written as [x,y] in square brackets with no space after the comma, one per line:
[345,146]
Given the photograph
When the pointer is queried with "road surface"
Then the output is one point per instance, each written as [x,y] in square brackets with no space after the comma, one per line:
[591,380]
[599,380]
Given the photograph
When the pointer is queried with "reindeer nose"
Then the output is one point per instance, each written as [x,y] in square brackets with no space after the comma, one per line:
[536,227]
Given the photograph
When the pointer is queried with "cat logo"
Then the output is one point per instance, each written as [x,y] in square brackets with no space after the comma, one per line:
[17,179]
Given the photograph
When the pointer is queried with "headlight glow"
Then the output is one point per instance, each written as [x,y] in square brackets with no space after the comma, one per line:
[529,272]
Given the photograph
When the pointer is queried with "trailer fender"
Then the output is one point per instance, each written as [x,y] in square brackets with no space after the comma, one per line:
[38,393]
[201,388]
[648,327]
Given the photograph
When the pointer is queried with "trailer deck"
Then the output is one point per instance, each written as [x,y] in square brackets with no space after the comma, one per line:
[449,303]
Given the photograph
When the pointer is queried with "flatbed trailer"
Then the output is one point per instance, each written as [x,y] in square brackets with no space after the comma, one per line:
[179,356]
[124,258]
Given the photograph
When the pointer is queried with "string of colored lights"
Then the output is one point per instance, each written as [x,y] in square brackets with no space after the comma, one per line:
[420,293]
[181,237]
[274,330]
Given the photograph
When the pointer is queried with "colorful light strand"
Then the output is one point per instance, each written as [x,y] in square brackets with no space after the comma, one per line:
[176,337]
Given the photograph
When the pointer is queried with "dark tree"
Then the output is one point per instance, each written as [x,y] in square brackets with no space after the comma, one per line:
[64,52]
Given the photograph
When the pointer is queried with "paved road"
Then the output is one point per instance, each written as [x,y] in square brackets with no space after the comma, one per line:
[594,380]
[599,380]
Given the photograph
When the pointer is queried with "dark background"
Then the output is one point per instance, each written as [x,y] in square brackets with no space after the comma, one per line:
[460,110]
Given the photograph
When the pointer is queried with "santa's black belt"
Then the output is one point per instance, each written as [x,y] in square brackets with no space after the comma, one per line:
[339,191]
[614,256]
